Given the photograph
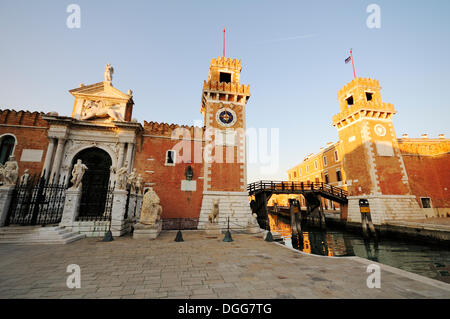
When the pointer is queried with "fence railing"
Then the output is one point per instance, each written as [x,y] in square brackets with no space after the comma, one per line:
[37,201]
[281,186]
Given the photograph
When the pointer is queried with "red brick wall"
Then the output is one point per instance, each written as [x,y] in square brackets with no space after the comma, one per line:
[30,131]
[167,179]
[427,165]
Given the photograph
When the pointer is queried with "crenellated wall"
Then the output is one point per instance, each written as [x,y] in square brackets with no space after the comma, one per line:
[30,132]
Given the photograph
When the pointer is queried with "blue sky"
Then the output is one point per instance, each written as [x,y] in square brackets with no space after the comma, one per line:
[292,54]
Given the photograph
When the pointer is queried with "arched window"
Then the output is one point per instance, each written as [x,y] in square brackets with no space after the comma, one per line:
[6,148]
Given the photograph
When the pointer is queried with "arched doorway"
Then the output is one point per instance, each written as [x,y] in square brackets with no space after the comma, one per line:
[95,182]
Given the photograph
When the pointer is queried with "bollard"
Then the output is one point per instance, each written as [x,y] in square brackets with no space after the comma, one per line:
[108,236]
[227,237]
[179,237]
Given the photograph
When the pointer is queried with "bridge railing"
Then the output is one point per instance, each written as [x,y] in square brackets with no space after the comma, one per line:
[282,186]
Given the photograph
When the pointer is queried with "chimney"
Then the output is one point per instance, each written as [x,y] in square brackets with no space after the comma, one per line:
[441,135]
[425,135]
[405,135]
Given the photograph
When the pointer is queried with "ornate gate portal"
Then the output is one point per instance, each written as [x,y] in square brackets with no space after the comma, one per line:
[96,193]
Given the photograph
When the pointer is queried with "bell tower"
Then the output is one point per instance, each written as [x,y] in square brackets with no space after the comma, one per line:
[223,104]
[373,164]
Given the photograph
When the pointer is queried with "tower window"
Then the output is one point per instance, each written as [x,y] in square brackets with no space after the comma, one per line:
[170,158]
[349,100]
[369,96]
[225,77]
[327,180]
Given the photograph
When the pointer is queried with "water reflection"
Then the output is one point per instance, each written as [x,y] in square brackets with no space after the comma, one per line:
[426,260]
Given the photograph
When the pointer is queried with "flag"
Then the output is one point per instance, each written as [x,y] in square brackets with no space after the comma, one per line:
[348,59]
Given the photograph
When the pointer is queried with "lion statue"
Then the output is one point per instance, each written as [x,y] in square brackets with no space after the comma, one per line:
[214,214]
[151,210]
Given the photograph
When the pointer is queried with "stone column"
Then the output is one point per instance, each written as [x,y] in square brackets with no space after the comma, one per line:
[118,226]
[48,157]
[121,153]
[129,156]
[71,207]
[58,157]
[5,200]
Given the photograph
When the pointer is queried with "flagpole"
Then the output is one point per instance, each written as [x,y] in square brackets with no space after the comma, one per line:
[353,64]
[223,42]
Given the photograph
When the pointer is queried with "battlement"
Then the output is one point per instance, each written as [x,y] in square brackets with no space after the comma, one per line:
[365,109]
[226,62]
[359,82]
[25,118]
[165,129]
[226,87]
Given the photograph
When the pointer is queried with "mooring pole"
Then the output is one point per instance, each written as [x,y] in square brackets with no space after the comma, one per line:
[293,223]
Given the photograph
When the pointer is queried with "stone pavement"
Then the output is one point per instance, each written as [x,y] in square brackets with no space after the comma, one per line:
[201,267]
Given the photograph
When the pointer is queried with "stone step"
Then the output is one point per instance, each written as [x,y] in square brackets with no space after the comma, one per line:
[38,235]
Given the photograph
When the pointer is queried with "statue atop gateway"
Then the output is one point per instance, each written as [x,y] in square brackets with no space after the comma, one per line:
[102,102]
[109,71]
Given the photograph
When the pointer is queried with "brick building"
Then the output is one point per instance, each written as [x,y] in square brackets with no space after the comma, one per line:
[188,167]
[403,178]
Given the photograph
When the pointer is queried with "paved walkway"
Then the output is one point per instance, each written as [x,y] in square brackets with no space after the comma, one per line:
[201,267]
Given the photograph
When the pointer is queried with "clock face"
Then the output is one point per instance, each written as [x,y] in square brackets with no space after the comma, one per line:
[380,130]
[226,117]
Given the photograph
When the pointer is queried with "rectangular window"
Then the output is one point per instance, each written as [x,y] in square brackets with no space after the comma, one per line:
[325,161]
[225,77]
[170,158]
[349,100]
[338,176]
[315,164]
[327,180]
[426,202]
[369,96]
[300,172]
[307,168]
[336,157]
[295,174]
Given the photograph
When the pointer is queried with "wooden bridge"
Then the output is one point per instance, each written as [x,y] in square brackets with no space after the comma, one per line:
[312,192]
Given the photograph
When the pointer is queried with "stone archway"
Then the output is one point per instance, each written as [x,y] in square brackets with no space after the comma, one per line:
[95,182]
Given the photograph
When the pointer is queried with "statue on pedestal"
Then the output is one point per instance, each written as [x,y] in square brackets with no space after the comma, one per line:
[139,184]
[25,177]
[151,209]
[131,180]
[77,174]
[122,177]
[9,173]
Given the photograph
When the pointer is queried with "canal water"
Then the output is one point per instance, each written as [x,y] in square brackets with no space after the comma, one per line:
[426,260]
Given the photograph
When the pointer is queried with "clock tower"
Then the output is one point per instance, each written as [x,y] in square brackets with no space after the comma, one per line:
[372,161]
[223,108]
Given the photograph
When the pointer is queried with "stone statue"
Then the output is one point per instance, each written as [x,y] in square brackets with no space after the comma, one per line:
[122,176]
[151,210]
[97,109]
[131,180]
[77,174]
[112,175]
[139,184]
[25,177]
[109,70]
[214,214]
[9,172]
[252,221]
